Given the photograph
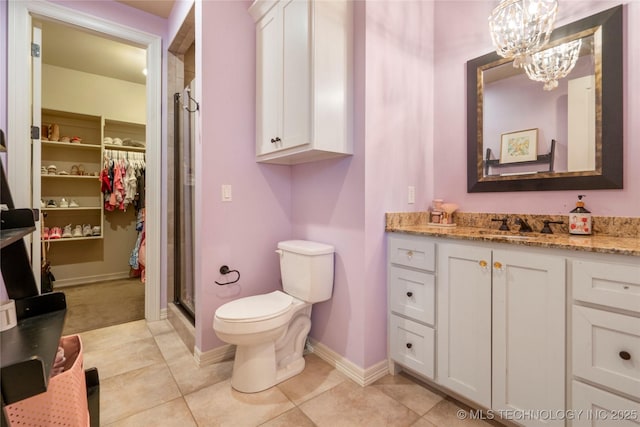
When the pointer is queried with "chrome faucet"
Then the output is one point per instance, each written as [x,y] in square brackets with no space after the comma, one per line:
[524,226]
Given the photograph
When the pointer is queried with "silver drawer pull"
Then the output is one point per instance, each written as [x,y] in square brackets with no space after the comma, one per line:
[624,355]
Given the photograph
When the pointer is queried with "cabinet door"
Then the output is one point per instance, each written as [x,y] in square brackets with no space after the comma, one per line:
[296,73]
[464,321]
[268,80]
[528,333]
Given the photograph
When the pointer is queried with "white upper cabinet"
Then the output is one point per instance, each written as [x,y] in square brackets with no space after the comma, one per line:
[303,80]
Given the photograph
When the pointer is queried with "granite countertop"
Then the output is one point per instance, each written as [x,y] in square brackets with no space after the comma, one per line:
[602,243]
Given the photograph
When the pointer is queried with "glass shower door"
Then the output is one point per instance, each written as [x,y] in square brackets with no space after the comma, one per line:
[184,131]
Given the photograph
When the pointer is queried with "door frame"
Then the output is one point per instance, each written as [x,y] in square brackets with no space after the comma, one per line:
[19,119]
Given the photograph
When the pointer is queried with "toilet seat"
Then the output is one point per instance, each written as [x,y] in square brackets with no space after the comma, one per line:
[255,308]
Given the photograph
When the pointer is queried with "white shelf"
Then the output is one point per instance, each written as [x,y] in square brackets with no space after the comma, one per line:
[72,239]
[79,208]
[124,148]
[97,178]
[75,145]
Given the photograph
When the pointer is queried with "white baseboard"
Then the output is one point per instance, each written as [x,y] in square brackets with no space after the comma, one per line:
[73,281]
[163,313]
[216,355]
[361,376]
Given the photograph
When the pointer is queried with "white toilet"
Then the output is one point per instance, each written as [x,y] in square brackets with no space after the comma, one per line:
[270,330]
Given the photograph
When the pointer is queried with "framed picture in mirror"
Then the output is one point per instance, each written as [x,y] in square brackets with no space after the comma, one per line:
[520,146]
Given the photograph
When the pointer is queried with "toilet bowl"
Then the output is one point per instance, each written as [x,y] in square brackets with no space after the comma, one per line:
[270,330]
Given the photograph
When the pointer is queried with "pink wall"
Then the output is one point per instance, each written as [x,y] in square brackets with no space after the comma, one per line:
[243,233]
[343,202]
[470,40]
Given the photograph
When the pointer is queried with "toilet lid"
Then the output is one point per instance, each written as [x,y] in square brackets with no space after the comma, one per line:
[257,307]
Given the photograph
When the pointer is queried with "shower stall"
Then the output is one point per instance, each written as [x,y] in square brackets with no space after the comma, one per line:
[185,109]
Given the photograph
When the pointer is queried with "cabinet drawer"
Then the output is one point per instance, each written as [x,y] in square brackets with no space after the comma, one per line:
[615,285]
[412,345]
[412,251]
[412,294]
[597,408]
[606,349]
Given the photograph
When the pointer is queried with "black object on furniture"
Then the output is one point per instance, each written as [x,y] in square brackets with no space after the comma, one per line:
[29,349]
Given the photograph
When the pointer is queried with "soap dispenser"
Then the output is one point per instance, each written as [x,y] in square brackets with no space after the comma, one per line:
[580,218]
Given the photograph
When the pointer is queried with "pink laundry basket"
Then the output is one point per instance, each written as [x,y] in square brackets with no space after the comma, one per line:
[65,401]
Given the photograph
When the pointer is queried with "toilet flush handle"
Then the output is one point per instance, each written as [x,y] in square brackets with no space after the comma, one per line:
[279,252]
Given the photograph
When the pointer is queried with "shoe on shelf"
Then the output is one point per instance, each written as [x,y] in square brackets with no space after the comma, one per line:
[64,203]
[74,170]
[43,170]
[52,204]
[52,169]
[45,233]
[107,140]
[73,204]
[66,233]
[65,139]
[81,170]
[77,232]
[55,233]
[63,172]
[117,141]
[86,230]
[76,140]
[42,204]
[95,230]
[54,132]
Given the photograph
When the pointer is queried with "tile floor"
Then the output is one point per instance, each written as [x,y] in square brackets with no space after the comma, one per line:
[149,378]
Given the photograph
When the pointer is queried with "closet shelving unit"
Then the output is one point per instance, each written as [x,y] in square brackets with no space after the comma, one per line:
[84,189]
[29,349]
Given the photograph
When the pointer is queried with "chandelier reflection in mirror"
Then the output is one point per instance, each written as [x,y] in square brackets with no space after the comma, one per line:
[553,64]
[520,28]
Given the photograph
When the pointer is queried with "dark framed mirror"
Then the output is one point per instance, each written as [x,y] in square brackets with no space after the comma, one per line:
[574,133]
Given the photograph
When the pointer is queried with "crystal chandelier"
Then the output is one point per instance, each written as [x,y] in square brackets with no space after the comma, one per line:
[520,28]
[552,64]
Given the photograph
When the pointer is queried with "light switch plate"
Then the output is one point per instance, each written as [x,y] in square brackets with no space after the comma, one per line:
[411,195]
[226,192]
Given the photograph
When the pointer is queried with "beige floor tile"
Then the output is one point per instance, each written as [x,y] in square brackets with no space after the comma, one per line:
[318,376]
[171,414]
[171,346]
[127,394]
[124,357]
[294,417]
[159,327]
[348,404]
[445,413]
[406,391]
[99,339]
[423,422]
[190,377]
[220,405]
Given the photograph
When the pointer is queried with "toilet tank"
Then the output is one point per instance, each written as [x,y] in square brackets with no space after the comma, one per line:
[306,269]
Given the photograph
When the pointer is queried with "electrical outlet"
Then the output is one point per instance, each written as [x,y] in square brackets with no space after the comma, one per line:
[226,192]
[411,197]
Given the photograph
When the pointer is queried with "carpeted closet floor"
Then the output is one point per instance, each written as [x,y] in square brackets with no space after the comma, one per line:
[96,305]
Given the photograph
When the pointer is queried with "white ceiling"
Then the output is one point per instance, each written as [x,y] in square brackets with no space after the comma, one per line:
[78,49]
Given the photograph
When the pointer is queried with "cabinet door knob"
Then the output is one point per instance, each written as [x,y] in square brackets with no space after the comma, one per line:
[409,294]
[409,345]
[624,355]
[273,140]
[277,139]
[410,254]
[483,263]
[497,265]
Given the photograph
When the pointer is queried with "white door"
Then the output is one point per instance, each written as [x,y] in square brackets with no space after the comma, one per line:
[36,149]
[464,321]
[528,333]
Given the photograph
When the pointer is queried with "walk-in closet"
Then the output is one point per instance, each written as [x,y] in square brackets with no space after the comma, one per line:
[92,175]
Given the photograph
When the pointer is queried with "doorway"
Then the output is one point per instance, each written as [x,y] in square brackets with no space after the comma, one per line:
[20,24]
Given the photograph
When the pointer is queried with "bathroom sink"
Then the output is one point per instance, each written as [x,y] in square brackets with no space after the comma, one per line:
[497,234]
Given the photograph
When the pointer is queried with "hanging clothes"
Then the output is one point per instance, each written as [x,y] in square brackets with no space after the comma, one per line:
[122,180]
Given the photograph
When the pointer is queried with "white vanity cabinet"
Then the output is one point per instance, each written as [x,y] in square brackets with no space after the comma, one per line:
[303,80]
[501,322]
[411,296]
[606,341]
